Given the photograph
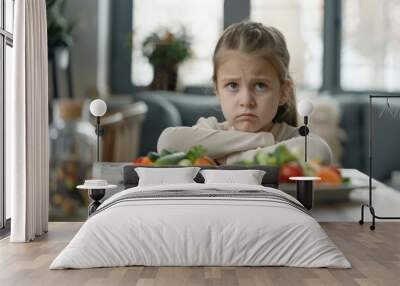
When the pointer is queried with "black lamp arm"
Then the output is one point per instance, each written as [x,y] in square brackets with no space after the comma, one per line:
[99,130]
[303,131]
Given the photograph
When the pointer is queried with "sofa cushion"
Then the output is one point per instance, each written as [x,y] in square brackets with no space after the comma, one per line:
[161,114]
[352,121]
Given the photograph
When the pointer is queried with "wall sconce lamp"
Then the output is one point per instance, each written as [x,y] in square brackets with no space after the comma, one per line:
[305,108]
[98,108]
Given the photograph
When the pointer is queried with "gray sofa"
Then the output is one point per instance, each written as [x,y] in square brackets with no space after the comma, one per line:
[178,109]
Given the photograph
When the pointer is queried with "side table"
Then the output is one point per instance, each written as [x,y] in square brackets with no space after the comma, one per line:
[305,190]
[97,190]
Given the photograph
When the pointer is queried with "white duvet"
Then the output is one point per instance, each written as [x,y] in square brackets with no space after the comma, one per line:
[185,231]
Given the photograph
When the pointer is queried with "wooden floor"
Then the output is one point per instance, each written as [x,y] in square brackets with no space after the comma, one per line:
[374,255]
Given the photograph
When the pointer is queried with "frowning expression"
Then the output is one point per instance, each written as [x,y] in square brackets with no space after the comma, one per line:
[249,91]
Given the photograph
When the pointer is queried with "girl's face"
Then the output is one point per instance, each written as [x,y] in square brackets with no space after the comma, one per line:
[249,91]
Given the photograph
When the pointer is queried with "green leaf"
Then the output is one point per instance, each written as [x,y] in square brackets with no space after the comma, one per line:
[283,155]
[346,180]
[195,152]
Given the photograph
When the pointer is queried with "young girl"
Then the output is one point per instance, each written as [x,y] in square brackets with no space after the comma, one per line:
[256,93]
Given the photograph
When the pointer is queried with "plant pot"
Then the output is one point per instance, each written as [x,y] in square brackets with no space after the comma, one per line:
[165,77]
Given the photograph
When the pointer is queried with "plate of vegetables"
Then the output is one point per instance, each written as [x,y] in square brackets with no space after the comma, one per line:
[195,156]
[290,165]
[289,162]
[333,186]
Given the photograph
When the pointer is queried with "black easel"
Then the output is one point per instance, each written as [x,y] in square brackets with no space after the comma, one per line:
[369,205]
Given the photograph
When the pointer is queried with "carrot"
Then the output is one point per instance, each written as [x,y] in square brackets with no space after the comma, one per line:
[204,160]
[146,161]
[142,160]
[328,176]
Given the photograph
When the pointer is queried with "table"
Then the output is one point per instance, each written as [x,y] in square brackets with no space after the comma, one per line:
[386,201]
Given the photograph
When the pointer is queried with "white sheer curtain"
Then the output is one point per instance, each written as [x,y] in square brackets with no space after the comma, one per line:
[27,124]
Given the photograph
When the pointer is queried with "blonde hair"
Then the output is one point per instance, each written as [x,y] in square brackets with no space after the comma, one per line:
[268,43]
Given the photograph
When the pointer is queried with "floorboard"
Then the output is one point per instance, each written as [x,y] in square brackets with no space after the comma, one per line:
[374,255]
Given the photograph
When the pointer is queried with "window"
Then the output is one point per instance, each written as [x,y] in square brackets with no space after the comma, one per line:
[301,22]
[370,51]
[6,64]
[335,46]
[149,16]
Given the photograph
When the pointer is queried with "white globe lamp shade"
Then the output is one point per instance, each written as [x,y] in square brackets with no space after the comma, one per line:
[98,107]
[305,107]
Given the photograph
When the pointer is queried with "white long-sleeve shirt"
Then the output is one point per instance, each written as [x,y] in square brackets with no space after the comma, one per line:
[222,140]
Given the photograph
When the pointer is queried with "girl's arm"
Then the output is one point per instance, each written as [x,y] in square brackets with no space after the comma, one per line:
[316,147]
[219,143]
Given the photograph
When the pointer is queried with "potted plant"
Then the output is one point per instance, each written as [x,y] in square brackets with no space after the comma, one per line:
[59,30]
[165,51]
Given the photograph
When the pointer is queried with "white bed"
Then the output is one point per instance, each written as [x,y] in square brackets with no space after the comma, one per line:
[252,225]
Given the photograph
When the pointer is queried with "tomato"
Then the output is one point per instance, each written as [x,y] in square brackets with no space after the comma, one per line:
[291,169]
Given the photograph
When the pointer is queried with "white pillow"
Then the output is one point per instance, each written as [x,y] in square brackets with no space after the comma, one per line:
[249,177]
[163,176]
